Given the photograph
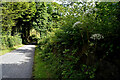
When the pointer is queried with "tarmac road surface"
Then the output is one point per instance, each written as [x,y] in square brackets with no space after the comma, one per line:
[18,64]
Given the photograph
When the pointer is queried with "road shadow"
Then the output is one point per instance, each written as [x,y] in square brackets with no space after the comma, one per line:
[22,70]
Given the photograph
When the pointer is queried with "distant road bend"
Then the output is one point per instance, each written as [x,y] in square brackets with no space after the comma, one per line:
[18,63]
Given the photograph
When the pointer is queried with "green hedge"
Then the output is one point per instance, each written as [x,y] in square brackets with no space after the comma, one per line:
[9,41]
[83,48]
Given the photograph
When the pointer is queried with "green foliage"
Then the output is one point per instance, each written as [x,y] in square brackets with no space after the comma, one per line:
[41,69]
[46,17]
[17,18]
[41,17]
[79,45]
[76,41]
[10,41]
[33,38]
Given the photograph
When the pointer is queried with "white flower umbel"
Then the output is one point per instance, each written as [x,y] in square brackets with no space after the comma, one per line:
[78,22]
[97,37]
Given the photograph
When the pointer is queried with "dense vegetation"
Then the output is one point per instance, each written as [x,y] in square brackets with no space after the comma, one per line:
[78,40]
[9,41]
[16,19]
[84,44]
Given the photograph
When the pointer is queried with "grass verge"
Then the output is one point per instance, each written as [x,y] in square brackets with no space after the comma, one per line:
[41,70]
[2,52]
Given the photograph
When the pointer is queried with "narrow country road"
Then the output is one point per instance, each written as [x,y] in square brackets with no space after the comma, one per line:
[18,63]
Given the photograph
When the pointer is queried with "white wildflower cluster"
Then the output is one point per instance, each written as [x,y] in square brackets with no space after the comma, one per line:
[97,37]
[78,22]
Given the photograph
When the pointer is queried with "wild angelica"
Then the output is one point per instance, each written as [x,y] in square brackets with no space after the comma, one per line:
[97,37]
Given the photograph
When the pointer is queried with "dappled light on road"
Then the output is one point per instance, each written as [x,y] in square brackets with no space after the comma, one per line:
[18,63]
